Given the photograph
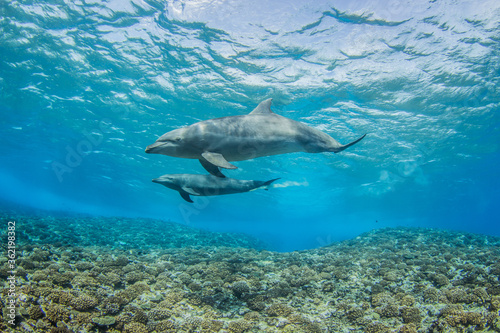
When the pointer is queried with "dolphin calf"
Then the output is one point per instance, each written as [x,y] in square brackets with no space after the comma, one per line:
[215,142]
[207,185]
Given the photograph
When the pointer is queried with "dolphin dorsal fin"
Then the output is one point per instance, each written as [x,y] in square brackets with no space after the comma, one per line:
[263,108]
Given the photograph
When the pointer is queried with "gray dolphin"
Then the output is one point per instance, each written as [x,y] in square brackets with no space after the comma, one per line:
[207,185]
[260,133]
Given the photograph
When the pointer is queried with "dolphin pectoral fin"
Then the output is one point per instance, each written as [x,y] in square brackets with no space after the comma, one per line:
[212,169]
[339,149]
[185,196]
[264,107]
[189,190]
[217,160]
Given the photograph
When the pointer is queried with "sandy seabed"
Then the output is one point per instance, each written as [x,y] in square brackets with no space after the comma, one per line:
[96,274]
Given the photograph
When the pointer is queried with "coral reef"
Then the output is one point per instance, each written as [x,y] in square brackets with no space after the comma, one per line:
[388,280]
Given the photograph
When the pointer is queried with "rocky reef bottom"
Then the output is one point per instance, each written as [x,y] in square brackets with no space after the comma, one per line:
[80,275]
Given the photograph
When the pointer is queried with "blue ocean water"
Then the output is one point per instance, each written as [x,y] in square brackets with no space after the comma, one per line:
[85,86]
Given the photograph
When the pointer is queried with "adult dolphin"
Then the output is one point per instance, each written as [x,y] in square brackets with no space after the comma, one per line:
[207,185]
[260,133]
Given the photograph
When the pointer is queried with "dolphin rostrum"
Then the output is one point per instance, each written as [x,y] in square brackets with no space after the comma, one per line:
[207,185]
[236,138]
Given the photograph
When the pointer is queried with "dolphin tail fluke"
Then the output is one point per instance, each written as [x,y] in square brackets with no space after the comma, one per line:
[343,147]
[269,182]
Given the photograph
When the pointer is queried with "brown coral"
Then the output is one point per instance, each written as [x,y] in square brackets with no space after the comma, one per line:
[375,327]
[165,326]
[431,295]
[321,290]
[135,327]
[382,299]
[159,314]
[354,313]
[440,280]
[411,315]
[84,303]
[240,287]
[388,311]
[56,312]
[409,328]
[35,312]
[495,303]
[278,310]
[252,316]
[239,326]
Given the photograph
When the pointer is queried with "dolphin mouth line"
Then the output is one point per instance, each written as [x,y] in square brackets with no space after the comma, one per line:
[151,148]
